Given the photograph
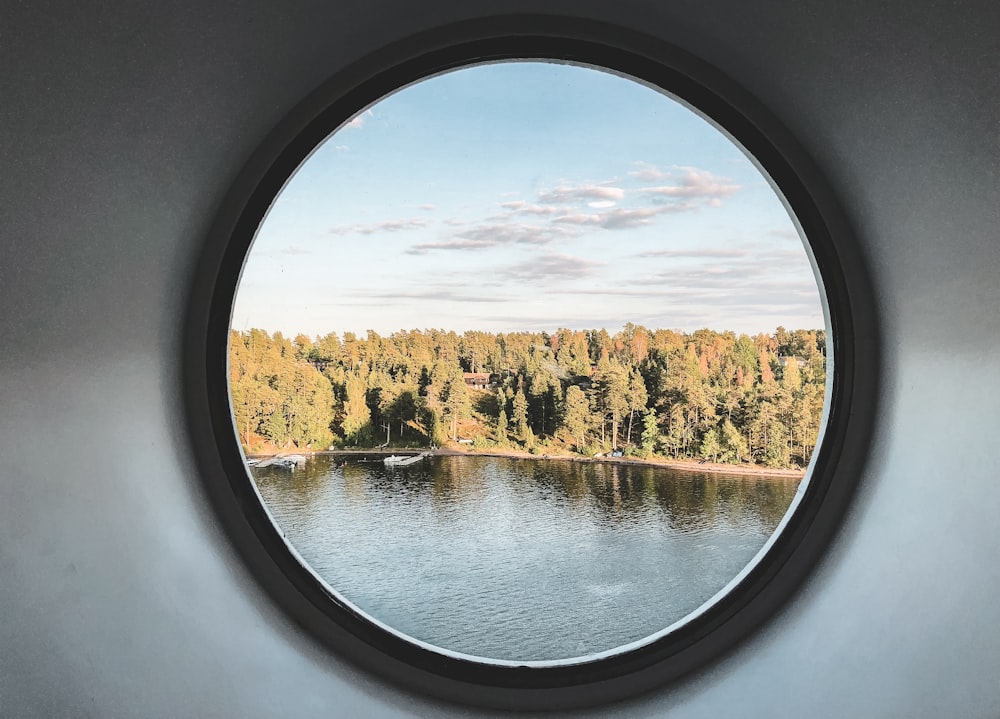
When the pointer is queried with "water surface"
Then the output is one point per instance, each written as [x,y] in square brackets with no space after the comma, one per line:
[519,559]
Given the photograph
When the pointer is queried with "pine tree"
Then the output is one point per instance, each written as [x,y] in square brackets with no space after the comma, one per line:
[357,416]
[502,427]
[520,409]
[455,401]
[577,415]
[710,444]
[650,432]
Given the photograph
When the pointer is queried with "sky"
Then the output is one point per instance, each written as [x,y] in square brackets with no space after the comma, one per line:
[527,196]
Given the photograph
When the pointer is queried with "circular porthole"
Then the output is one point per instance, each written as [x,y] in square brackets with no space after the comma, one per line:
[499,371]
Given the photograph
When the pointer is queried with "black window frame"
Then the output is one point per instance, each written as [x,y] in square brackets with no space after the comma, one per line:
[763,590]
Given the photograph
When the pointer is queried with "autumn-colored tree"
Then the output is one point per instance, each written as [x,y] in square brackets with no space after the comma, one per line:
[357,417]
[716,394]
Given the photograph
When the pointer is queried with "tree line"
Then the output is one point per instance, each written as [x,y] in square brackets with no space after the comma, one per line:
[706,395]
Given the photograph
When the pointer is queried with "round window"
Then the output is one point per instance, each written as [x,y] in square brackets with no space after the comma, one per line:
[530,369]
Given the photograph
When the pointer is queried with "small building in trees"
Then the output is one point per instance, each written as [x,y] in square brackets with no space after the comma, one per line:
[477,380]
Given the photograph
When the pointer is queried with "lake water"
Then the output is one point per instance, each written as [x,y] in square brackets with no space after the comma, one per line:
[523,559]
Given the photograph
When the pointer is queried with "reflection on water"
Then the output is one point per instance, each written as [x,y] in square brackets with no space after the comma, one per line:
[523,559]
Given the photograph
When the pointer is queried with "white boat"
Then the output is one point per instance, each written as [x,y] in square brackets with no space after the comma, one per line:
[287,461]
[402,461]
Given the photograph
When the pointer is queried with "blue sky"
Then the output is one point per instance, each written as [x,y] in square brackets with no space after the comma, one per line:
[527,196]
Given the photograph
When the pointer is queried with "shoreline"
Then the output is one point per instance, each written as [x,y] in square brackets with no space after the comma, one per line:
[678,464]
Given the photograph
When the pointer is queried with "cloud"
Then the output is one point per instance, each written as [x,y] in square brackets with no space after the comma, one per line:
[617,219]
[383,226]
[692,183]
[424,247]
[513,233]
[580,193]
[647,172]
[749,257]
[484,236]
[551,323]
[549,267]
[750,277]
[428,207]
[358,121]
[698,253]
[295,250]
[436,295]
[523,208]
[342,148]
[601,204]
[709,289]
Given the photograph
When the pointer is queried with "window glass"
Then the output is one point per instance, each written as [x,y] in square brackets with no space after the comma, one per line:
[529,362]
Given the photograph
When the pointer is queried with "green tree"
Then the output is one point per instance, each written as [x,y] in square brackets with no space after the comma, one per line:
[519,407]
[710,444]
[650,432]
[612,391]
[502,427]
[636,398]
[576,418]
[734,446]
[357,417]
[455,401]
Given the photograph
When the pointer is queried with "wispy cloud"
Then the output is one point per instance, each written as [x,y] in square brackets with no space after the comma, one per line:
[358,121]
[427,206]
[549,267]
[751,257]
[514,233]
[692,183]
[707,286]
[342,148]
[519,207]
[617,219]
[707,253]
[580,193]
[647,172]
[424,247]
[383,226]
[485,236]
[748,278]
[436,295]
[295,250]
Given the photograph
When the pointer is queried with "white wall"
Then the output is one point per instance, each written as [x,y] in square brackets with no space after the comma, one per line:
[121,131]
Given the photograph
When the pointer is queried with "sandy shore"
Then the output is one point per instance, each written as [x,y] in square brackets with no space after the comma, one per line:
[687,465]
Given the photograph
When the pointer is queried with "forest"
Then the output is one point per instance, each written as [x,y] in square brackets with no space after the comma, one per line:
[705,395]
